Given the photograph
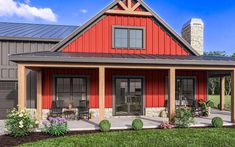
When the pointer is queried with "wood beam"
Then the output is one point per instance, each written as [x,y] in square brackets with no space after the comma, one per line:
[123,5]
[135,7]
[39,95]
[233,96]
[121,12]
[129,2]
[77,65]
[101,92]
[222,92]
[171,107]
[22,81]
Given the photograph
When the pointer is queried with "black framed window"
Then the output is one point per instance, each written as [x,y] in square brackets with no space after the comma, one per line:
[124,37]
[71,90]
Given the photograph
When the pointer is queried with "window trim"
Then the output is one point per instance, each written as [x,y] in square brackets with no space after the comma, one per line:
[129,28]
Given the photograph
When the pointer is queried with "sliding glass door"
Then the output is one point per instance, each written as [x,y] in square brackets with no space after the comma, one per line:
[128,96]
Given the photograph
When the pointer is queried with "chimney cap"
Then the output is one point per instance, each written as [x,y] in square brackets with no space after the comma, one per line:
[194,21]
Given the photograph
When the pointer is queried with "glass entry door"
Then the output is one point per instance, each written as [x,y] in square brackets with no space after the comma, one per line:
[128,96]
[185,91]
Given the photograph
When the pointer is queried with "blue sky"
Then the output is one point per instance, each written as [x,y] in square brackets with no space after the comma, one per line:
[218,15]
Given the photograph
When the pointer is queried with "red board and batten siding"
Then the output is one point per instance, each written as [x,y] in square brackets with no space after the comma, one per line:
[155,85]
[98,38]
[47,90]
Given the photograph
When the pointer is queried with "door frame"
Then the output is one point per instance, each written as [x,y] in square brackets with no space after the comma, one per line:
[114,77]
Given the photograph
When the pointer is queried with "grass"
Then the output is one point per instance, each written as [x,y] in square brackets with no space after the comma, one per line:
[216,100]
[190,137]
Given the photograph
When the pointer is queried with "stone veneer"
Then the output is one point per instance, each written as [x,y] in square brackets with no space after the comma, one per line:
[108,112]
[153,112]
[149,112]
[193,33]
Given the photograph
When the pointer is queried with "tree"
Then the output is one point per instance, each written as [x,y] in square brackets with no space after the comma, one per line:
[228,87]
[216,53]
[213,85]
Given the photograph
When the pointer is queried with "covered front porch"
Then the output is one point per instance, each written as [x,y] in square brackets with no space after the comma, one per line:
[154,79]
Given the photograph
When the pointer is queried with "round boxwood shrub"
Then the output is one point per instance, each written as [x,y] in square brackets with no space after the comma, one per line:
[137,124]
[217,122]
[105,125]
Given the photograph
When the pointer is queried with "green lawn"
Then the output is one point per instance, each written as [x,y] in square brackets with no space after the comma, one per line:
[216,100]
[224,137]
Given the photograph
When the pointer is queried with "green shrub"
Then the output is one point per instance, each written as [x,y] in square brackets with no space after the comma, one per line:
[183,117]
[19,123]
[209,103]
[105,125]
[217,122]
[204,108]
[55,126]
[137,124]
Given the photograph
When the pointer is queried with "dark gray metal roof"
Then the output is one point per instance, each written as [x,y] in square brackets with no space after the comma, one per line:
[61,57]
[35,31]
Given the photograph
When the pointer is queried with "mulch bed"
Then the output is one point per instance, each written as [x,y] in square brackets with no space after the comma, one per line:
[8,141]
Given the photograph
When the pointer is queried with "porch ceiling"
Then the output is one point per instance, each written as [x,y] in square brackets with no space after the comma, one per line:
[106,58]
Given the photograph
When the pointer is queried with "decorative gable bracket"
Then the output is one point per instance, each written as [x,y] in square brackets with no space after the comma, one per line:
[128,9]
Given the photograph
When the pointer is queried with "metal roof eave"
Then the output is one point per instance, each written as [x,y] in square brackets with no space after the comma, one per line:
[46,59]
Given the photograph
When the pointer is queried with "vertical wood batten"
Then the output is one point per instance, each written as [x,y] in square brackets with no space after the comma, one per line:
[222,92]
[233,97]
[21,86]
[171,108]
[101,92]
[39,95]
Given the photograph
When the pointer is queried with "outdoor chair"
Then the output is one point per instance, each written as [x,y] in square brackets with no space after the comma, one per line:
[83,110]
[56,111]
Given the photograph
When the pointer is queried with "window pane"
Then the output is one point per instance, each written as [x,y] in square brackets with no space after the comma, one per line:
[63,99]
[79,85]
[78,98]
[139,43]
[136,38]
[120,39]
[66,85]
[60,85]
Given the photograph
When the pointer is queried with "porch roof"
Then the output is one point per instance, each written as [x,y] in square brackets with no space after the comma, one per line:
[109,58]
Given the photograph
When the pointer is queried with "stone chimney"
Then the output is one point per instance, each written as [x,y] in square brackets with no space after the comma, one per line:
[193,33]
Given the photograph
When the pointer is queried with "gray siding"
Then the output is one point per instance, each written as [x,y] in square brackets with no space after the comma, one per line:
[8,70]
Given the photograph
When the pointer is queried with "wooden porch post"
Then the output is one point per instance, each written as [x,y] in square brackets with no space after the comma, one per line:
[233,97]
[39,95]
[22,79]
[222,92]
[101,92]
[171,108]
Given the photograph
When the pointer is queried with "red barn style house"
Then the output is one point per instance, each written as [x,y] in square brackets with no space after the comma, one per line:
[124,61]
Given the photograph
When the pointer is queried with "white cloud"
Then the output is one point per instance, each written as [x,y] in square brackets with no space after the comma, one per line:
[84,10]
[11,8]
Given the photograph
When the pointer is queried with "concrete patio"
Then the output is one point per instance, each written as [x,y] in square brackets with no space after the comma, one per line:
[149,122]
[120,123]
